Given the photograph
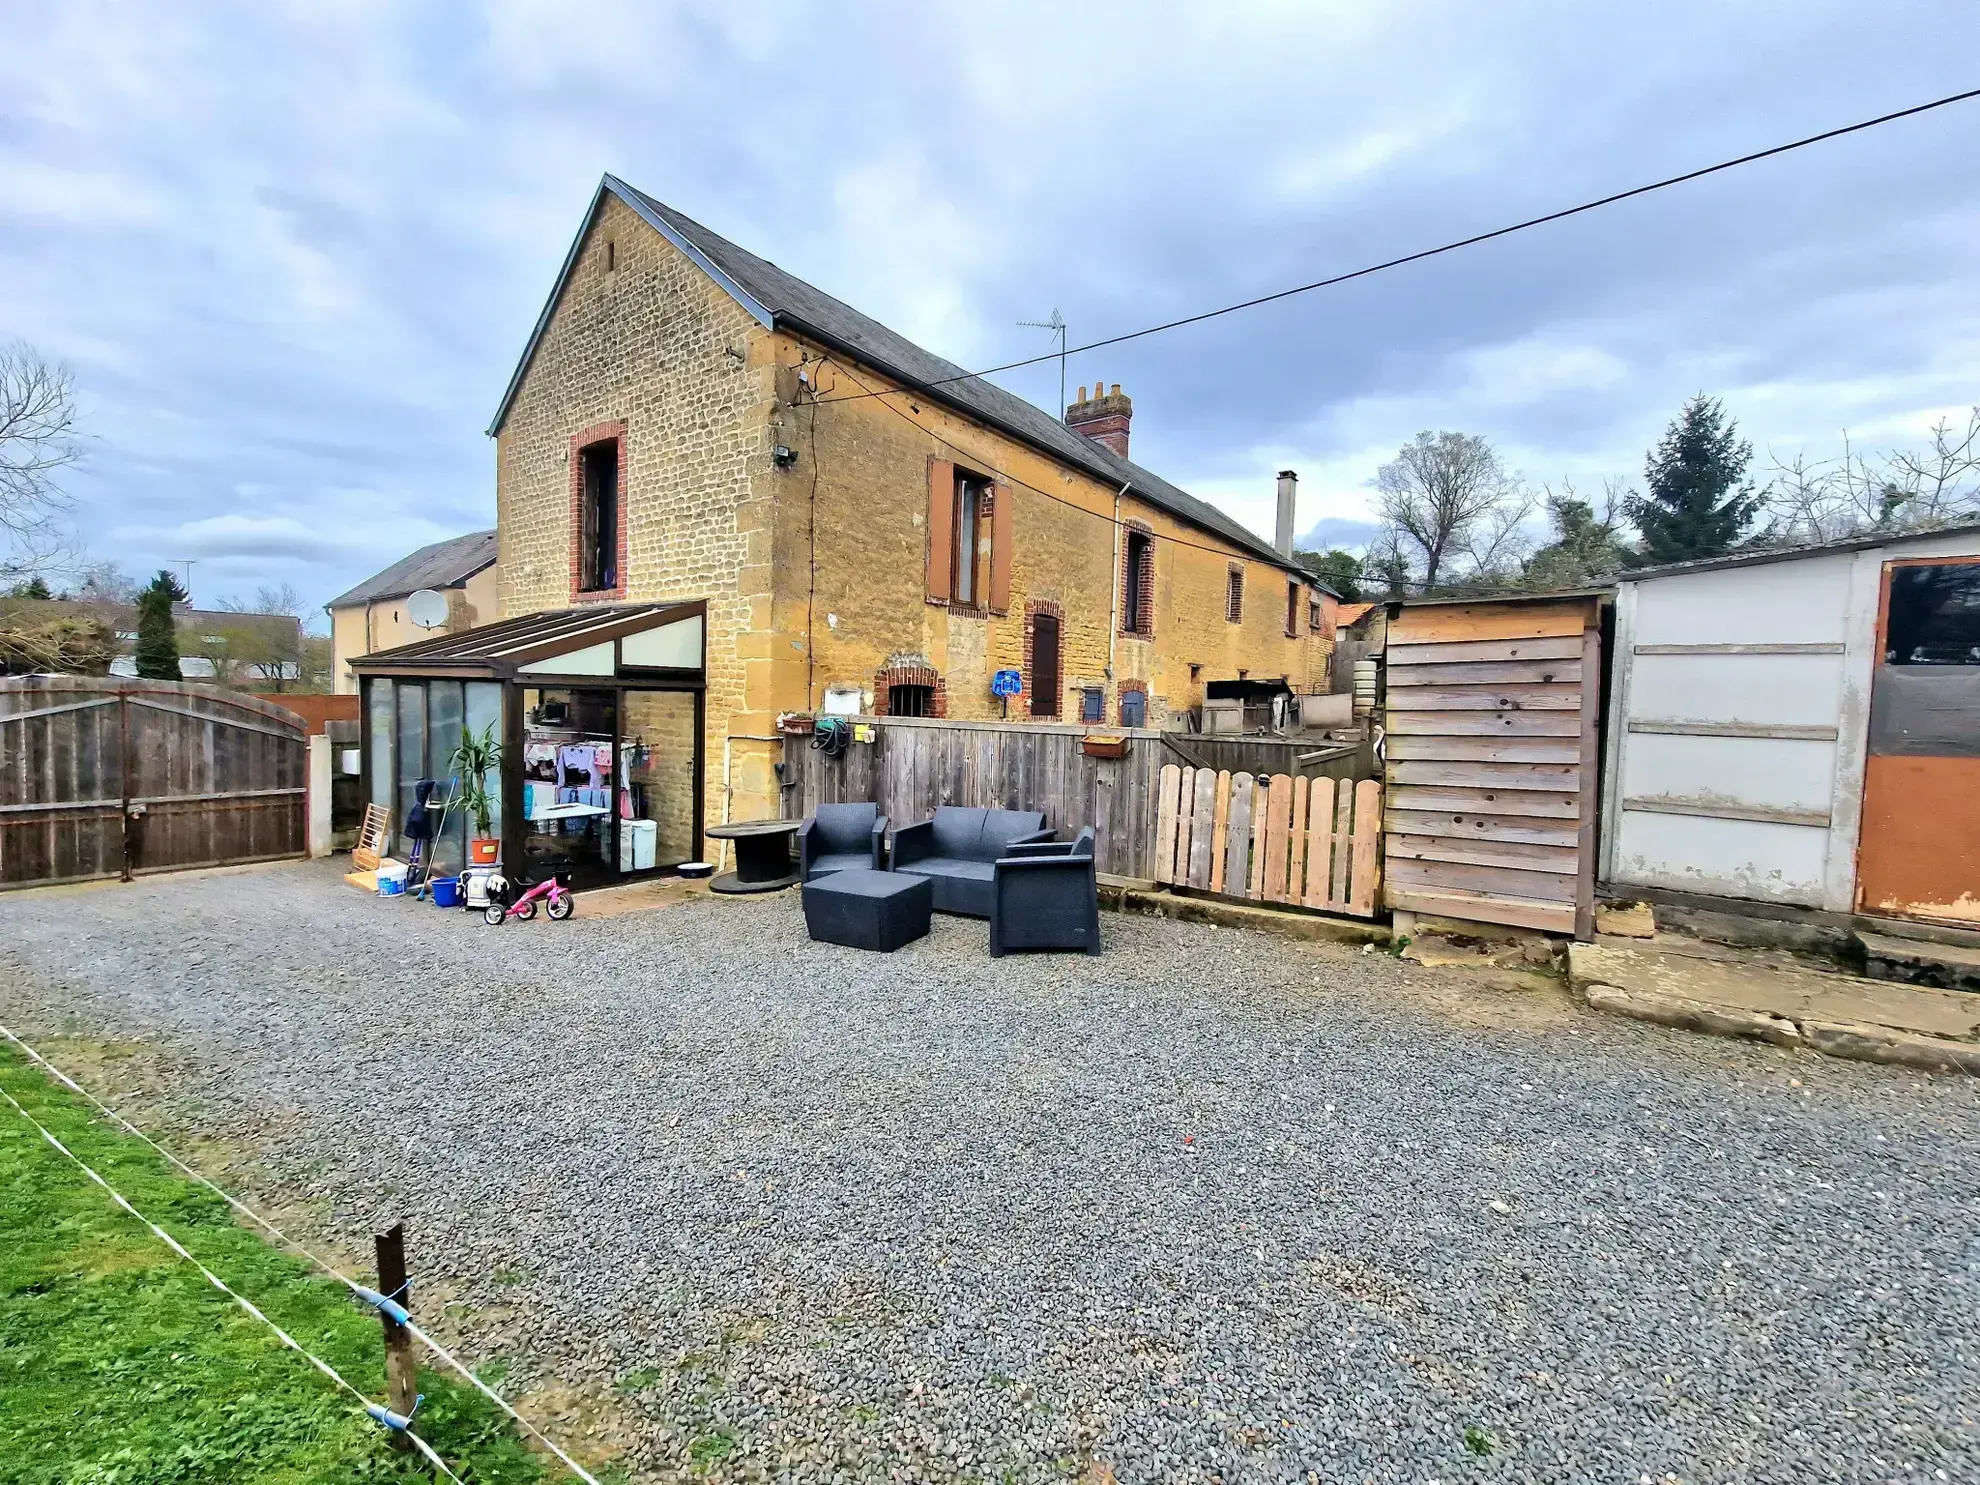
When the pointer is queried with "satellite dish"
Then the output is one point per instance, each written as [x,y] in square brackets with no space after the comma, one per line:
[427,608]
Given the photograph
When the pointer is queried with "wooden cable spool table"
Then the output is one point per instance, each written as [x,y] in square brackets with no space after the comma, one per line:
[763,856]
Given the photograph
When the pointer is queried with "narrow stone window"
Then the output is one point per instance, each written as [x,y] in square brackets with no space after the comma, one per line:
[611,255]
[1138,584]
[1292,609]
[1044,665]
[598,517]
[1234,596]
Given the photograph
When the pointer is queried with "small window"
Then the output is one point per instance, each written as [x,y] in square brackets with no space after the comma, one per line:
[966,559]
[1292,609]
[1044,665]
[598,534]
[1234,596]
[1137,584]
[910,701]
[1134,708]
[1092,704]
[1314,615]
[611,255]
[1934,615]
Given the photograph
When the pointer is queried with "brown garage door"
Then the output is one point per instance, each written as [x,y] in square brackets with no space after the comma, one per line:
[104,777]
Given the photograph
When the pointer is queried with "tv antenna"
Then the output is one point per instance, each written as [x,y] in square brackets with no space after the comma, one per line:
[1057,325]
[187,564]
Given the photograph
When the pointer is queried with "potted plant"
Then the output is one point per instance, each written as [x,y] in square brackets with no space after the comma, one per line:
[478,756]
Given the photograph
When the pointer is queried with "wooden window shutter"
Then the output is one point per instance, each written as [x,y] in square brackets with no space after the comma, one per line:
[941,527]
[1000,549]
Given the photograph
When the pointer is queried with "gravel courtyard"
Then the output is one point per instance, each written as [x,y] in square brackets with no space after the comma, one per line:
[1214,1206]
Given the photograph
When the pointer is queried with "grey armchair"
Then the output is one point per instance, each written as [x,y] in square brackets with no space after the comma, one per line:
[1046,896]
[840,836]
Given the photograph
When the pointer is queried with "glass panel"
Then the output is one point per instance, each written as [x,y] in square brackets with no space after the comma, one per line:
[1934,615]
[484,710]
[658,748]
[443,736]
[411,698]
[570,747]
[382,729]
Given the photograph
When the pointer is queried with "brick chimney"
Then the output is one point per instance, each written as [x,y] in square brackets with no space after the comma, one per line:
[1102,417]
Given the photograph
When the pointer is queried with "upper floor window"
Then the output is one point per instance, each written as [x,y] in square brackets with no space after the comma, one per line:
[598,517]
[1234,596]
[968,554]
[1315,615]
[1292,608]
[1138,584]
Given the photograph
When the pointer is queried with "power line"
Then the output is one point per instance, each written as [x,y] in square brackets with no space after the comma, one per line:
[1449,247]
[390,1419]
[440,1352]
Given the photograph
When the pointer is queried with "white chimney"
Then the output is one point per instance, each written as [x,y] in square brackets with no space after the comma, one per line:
[1288,499]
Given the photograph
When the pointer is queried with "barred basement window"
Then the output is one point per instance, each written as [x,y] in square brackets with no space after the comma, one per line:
[1234,596]
[910,701]
[1092,704]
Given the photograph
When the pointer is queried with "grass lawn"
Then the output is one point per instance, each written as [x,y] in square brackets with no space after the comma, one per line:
[120,1365]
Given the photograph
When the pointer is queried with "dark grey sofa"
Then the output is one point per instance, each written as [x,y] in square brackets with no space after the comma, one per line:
[840,836]
[1045,896]
[957,851]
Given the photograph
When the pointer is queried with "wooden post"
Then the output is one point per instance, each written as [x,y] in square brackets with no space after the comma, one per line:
[401,1368]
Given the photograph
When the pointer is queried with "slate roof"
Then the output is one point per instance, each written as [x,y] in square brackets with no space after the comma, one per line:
[779,300]
[445,564]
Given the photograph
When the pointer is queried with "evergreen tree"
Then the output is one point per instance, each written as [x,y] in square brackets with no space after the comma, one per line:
[1699,501]
[158,630]
[1586,547]
[34,587]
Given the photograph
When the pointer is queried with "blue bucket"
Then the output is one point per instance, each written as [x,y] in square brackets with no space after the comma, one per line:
[446,891]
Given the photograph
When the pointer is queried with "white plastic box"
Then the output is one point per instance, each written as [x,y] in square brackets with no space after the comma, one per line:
[639,843]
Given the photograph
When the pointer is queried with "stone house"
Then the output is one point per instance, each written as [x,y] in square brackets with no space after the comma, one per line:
[869,528]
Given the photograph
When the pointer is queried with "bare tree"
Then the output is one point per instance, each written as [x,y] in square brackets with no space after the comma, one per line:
[37,439]
[1445,496]
[1818,500]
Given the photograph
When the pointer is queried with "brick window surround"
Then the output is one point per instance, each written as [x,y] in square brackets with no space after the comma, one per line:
[1234,595]
[910,675]
[597,433]
[1132,688]
[1031,612]
[1137,537]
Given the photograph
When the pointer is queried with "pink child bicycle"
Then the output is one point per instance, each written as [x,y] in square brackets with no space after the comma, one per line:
[554,892]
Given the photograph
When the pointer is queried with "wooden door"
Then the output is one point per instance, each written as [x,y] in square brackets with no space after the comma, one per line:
[1918,854]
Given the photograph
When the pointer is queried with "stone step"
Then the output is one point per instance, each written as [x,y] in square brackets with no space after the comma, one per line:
[1786,1004]
[1917,961]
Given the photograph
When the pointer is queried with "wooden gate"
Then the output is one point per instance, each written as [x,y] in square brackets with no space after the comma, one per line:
[1304,842]
[1492,761]
[106,777]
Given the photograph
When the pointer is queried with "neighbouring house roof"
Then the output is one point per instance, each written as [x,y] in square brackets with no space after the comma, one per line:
[1790,554]
[444,564]
[777,300]
[498,650]
[1350,613]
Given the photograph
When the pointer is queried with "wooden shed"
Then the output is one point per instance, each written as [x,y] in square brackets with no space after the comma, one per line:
[1493,756]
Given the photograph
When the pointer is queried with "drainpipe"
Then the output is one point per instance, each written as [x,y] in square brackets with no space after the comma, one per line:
[1114,586]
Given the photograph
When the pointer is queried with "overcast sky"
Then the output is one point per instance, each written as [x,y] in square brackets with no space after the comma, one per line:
[291,251]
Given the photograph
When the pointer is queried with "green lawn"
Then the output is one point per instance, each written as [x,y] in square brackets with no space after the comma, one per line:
[120,1365]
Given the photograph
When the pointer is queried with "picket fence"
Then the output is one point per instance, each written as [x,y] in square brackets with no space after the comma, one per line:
[1311,843]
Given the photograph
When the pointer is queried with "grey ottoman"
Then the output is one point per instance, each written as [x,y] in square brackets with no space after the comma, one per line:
[865,909]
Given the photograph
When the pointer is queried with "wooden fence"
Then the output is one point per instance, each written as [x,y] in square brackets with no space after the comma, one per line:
[915,764]
[1262,757]
[106,777]
[1312,843]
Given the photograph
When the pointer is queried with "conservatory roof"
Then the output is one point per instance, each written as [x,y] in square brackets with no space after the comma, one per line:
[602,640]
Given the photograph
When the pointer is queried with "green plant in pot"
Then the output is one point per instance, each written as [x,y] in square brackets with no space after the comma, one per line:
[475,761]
